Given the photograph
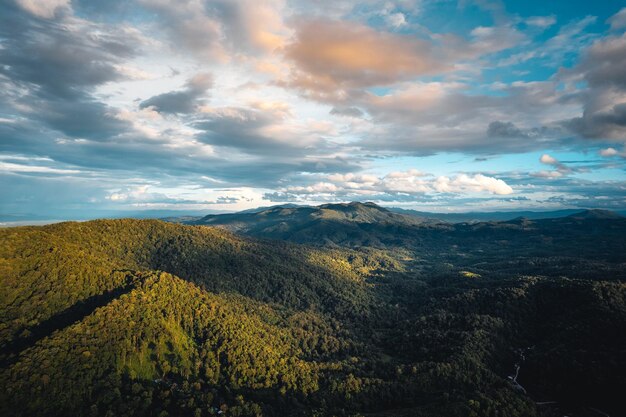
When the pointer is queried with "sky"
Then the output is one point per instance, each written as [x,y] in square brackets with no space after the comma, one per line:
[223,105]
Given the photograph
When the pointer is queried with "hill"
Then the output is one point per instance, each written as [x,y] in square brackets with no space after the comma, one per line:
[587,235]
[148,318]
[354,224]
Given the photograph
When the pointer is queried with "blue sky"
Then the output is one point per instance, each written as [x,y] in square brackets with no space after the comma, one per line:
[223,105]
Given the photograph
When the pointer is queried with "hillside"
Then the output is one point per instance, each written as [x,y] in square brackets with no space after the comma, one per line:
[583,237]
[354,224]
[281,219]
[143,317]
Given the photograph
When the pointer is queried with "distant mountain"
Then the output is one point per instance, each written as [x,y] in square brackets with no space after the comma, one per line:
[597,214]
[365,213]
[351,224]
[590,234]
[492,215]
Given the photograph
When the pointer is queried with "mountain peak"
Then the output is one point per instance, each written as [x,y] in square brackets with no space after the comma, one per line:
[353,205]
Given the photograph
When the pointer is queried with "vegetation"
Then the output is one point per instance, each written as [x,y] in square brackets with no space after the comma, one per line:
[381,316]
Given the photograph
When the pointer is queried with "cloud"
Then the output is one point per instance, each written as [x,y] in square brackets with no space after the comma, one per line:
[423,118]
[542,22]
[310,98]
[35,169]
[548,160]
[332,54]
[608,152]
[604,99]
[475,183]
[182,101]
[400,185]
[395,20]
[145,195]
[547,174]
[346,111]
[250,130]
[45,9]
[618,20]
[63,58]
[189,27]
[219,29]
[570,39]
[499,129]
[50,69]
[560,168]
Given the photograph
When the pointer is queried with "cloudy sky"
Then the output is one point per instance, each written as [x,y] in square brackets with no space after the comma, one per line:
[222,105]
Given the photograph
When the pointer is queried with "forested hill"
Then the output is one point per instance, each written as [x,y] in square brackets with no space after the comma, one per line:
[57,265]
[354,224]
[256,220]
[148,318]
[589,234]
[280,220]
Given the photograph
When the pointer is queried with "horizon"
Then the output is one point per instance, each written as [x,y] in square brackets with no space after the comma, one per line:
[121,109]
[26,220]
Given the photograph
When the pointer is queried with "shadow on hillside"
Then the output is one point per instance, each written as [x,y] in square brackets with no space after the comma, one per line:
[10,352]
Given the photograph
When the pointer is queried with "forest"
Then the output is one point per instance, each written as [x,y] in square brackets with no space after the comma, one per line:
[343,310]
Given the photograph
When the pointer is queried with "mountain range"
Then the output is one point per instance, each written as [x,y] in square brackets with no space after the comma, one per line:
[339,310]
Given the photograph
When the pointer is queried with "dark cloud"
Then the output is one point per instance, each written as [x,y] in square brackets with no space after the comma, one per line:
[347,111]
[51,67]
[499,129]
[239,128]
[182,101]
[136,156]
[602,67]
[508,130]
[81,119]
[607,124]
[256,132]
[61,57]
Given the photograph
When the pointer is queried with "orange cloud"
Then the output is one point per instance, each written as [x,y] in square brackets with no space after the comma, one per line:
[330,54]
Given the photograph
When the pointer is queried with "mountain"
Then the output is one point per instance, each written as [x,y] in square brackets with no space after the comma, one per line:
[472,217]
[421,216]
[354,224]
[597,214]
[377,314]
[366,225]
[305,216]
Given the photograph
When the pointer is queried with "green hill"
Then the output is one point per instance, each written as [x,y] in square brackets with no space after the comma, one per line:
[147,318]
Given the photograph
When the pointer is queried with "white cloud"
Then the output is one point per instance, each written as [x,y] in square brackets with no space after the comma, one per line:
[608,152]
[476,183]
[542,22]
[43,8]
[139,193]
[396,20]
[547,174]
[548,160]
[618,20]
[17,168]
[410,182]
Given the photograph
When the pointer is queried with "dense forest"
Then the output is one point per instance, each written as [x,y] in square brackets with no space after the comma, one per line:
[347,310]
